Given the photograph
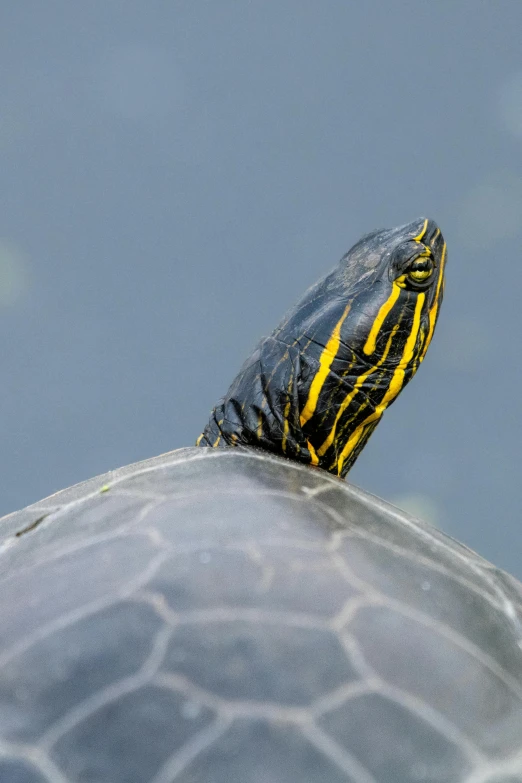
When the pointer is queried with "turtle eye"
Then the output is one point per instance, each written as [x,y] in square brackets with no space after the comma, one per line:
[421,269]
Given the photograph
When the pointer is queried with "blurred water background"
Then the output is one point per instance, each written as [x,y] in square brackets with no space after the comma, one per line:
[175,174]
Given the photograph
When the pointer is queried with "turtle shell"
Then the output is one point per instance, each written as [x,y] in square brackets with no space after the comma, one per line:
[212,616]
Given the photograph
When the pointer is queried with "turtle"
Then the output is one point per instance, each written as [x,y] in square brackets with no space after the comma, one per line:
[237,611]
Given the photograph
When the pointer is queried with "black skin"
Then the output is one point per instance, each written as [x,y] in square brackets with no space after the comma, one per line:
[266,405]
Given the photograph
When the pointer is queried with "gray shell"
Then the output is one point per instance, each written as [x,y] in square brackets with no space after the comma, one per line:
[227,617]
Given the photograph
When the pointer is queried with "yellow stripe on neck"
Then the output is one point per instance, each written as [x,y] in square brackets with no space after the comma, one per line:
[286,413]
[349,397]
[370,344]
[394,388]
[435,306]
[325,362]
[313,454]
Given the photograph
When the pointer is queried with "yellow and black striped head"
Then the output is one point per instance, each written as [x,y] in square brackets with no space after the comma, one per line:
[317,387]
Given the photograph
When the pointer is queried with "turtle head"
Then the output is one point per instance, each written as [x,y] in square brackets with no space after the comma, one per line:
[317,387]
[392,280]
